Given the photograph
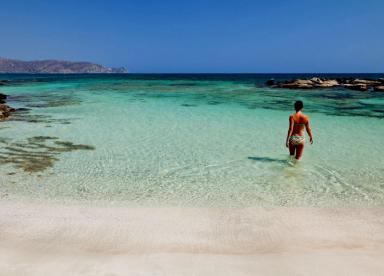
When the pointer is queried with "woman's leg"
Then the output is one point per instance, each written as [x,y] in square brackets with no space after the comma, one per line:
[299,151]
[291,149]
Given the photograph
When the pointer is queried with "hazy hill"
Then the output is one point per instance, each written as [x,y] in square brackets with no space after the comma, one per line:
[54,66]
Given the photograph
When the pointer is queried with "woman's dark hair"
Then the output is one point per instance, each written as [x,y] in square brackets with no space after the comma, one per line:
[299,105]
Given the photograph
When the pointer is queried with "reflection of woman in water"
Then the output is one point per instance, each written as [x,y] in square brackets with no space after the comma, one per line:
[296,137]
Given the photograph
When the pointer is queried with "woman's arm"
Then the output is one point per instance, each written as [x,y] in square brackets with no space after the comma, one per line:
[309,131]
[290,129]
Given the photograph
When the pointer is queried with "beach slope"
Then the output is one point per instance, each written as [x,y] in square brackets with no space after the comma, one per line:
[75,239]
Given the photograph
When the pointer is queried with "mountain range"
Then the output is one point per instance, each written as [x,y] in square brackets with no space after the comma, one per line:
[55,66]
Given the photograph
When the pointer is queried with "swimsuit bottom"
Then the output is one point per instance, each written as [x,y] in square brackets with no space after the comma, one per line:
[296,140]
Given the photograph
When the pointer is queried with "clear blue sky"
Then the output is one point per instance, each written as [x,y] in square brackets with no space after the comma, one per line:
[199,36]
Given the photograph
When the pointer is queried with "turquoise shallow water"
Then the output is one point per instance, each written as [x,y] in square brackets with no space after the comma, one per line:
[188,140]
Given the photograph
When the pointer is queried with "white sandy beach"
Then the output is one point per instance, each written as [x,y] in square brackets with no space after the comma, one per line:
[53,239]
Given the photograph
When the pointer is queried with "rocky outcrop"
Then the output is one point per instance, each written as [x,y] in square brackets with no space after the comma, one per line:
[5,110]
[54,66]
[316,83]
[270,82]
[3,97]
[356,86]
[379,88]
[308,84]
[4,82]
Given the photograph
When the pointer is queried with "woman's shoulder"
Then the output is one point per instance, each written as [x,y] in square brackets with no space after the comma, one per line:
[305,118]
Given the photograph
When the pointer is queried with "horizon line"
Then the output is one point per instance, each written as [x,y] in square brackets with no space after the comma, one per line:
[188,73]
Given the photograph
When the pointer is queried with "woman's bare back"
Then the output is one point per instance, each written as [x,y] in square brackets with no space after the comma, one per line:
[299,121]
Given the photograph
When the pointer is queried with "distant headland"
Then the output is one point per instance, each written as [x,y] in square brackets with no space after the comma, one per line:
[55,67]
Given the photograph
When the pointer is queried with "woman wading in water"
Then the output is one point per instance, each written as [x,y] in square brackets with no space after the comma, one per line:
[296,138]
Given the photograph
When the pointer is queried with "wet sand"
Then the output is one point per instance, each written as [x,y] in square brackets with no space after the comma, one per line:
[77,239]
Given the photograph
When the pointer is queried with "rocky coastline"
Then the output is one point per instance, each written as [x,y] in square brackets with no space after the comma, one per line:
[5,110]
[318,83]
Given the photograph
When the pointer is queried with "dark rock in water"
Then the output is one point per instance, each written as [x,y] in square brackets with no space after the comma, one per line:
[36,154]
[357,87]
[270,82]
[4,82]
[22,109]
[344,80]
[379,88]
[5,111]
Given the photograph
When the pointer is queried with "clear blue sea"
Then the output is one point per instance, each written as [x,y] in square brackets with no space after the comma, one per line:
[188,140]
